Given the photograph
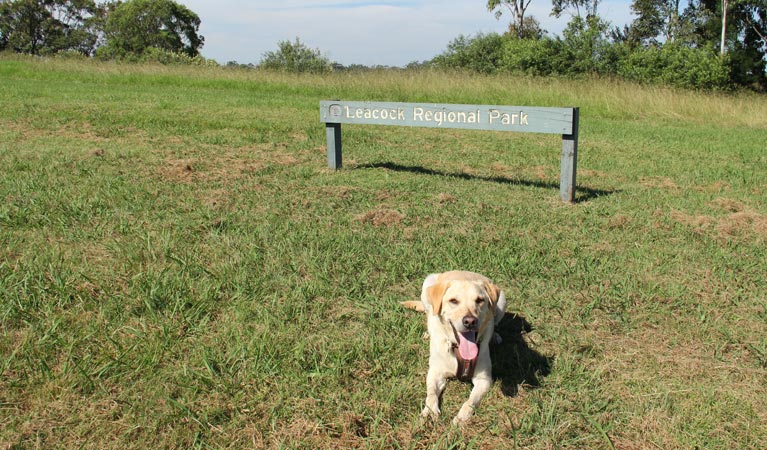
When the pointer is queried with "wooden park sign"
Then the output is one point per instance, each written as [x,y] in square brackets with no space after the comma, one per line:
[562,121]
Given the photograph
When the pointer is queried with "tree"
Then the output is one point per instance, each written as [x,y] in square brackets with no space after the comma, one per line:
[133,27]
[755,18]
[589,7]
[47,26]
[648,23]
[585,44]
[531,29]
[584,38]
[744,36]
[657,21]
[296,57]
[521,26]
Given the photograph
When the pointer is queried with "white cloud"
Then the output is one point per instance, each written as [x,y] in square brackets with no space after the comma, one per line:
[389,32]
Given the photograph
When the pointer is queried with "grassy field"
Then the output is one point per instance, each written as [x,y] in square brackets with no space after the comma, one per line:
[178,267]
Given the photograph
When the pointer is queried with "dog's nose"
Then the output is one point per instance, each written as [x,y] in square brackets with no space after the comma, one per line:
[469,322]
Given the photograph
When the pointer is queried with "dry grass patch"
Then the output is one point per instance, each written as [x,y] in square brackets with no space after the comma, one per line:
[341,192]
[226,167]
[700,223]
[618,221]
[592,173]
[656,370]
[382,217]
[740,220]
[658,182]
[443,198]
[541,173]
[718,186]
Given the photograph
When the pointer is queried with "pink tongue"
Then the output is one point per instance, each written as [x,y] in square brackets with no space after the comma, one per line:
[467,345]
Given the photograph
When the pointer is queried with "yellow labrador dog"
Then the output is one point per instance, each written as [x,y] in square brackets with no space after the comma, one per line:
[462,310]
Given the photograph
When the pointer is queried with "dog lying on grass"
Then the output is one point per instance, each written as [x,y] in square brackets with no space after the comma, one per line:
[462,310]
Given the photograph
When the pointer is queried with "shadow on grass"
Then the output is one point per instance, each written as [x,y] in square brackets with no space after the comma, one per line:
[514,362]
[582,193]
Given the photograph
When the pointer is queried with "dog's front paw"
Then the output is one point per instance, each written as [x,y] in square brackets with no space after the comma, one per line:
[460,421]
[428,413]
[463,415]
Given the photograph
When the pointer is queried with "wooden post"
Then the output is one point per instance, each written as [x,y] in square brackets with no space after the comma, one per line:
[569,162]
[333,131]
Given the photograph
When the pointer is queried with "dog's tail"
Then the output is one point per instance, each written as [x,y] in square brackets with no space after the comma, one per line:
[416,305]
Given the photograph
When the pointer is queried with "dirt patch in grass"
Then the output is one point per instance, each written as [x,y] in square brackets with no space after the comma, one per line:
[500,167]
[382,217]
[658,182]
[222,168]
[592,173]
[341,192]
[738,220]
[443,198]
[79,131]
[718,186]
[729,204]
[700,222]
[179,171]
[193,170]
[618,221]
[540,172]
[742,222]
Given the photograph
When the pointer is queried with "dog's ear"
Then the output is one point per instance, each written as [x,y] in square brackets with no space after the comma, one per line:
[493,291]
[497,301]
[434,294]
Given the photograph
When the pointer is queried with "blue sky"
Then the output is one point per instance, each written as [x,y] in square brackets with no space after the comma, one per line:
[388,32]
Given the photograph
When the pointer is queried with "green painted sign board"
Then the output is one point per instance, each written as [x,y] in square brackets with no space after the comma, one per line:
[524,119]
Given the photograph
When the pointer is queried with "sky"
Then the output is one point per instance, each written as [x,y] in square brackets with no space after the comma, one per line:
[373,32]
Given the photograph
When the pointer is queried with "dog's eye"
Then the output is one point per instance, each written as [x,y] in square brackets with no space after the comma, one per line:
[453,301]
[480,301]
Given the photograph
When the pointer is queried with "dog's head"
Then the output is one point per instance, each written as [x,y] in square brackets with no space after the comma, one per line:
[466,304]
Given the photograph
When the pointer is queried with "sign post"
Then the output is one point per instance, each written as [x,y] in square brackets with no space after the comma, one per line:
[568,164]
[333,131]
[563,121]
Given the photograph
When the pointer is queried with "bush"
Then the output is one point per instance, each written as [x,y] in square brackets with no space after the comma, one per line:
[70,54]
[168,57]
[676,65]
[584,49]
[610,56]
[548,56]
[156,55]
[531,56]
[482,53]
[296,57]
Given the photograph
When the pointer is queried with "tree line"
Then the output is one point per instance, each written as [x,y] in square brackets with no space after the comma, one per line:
[711,44]
[708,44]
[113,29]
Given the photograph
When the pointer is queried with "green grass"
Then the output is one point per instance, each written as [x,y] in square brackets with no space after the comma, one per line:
[178,267]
